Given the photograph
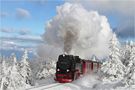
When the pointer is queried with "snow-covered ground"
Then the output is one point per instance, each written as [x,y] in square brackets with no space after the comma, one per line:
[88,82]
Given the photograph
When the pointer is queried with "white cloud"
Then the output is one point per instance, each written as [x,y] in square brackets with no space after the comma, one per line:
[7,30]
[8,44]
[24,38]
[21,31]
[9,47]
[22,13]
[24,31]
[121,6]
[20,43]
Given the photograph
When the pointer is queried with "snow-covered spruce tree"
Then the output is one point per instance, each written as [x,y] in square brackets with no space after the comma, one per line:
[42,72]
[130,73]
[0,68]
[3,76]
[0,59]
[15,79]
[130,60]
[126,53]
[113,69]
[11,80]
[25,69]
[46,69]
[52,68]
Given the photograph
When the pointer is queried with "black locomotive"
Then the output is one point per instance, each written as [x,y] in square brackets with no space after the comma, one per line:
[69,68]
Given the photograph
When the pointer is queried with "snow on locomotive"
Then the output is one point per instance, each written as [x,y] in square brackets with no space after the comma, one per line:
[69,68]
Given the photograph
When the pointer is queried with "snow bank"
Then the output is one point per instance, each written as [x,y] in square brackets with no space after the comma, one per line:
[88,81]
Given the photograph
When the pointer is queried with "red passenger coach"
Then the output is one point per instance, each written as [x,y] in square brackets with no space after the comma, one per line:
[90,66]
[69,68]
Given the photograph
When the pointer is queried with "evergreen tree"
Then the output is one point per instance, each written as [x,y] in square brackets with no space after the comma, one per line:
[52,68]
[11,80]
[130,60]
[130,73]
[25,69]
[42,73]
[14,77]
[127,53]
[46,69]
[0,68]
[3,76]
[113,68]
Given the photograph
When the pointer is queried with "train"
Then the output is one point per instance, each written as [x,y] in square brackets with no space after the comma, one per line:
[70,68]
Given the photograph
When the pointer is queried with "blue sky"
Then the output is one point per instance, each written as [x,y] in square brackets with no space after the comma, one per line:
[23,22]
[39,14]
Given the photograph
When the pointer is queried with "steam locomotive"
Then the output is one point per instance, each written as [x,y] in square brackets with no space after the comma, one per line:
[69,68]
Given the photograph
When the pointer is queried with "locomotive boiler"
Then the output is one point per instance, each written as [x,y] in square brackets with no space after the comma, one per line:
[69,68]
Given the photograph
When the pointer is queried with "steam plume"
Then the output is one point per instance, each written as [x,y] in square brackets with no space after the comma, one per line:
[77,31]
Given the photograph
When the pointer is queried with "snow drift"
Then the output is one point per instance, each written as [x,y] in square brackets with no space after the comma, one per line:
[88,81]
[77,31]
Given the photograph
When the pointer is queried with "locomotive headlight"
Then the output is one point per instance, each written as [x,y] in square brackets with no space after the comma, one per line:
[58,69]
[67,70]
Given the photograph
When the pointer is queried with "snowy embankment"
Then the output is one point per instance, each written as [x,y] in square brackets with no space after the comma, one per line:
[83,83]
[57,86]
[88,82]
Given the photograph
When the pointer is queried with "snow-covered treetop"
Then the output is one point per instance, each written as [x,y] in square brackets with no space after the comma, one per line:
[132,44]
[114,47]
[25,54]
[13,58]
[25,57]
[129,43]
[94,58]
[114,40]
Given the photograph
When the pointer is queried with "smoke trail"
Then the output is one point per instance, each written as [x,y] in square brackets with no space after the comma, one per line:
[69,40]
[77,31]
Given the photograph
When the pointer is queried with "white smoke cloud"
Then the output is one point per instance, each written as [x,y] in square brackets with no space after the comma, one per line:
[48,52]
[78,31]
[121,11]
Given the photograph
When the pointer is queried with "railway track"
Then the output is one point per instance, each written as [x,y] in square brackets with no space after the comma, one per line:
[56,86]
[44,87]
